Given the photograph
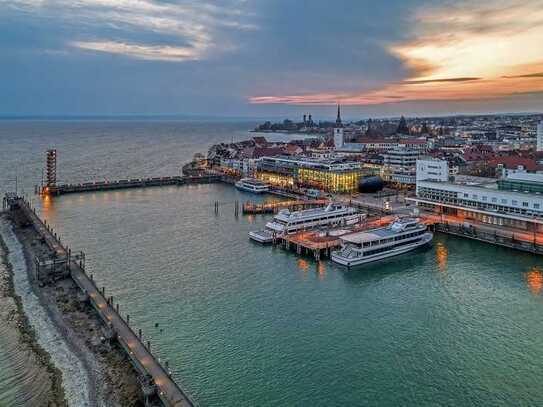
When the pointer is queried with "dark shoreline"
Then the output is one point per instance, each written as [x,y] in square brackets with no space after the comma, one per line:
[111,379]
[28,335]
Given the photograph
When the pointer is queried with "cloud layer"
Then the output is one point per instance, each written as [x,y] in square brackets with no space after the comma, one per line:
[260,57]
[468,51]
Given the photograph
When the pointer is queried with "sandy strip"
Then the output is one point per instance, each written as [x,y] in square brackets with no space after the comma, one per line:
[75,377]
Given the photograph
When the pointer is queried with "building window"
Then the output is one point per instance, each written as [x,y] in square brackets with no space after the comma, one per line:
[466,195]
[494,200]
[525,204]
[536,206]
[504,201]
[484,198]
[514,203]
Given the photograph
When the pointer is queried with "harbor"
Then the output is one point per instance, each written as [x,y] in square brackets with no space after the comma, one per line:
[210,210]
[155,379]
[284,281]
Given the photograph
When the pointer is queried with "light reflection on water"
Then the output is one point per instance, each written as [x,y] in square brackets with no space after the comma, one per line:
[534,278]
[303,264]
[441,256]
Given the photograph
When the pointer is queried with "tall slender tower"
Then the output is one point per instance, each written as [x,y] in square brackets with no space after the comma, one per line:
[51,168]
[539,146]
[339,140]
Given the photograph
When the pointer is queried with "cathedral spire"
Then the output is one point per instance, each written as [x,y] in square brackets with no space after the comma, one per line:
[338,119]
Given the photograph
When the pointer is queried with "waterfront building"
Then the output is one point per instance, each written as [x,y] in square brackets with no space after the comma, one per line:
[339,137]
[400,166]
[327,174]
[385,144]
[540,136]
[507,165]
[431,169]
[515,201]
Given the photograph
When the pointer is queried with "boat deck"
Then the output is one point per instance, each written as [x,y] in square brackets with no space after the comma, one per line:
[262,236]
[326,238]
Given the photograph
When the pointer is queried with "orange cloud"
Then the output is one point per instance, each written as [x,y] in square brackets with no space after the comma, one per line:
[465,52]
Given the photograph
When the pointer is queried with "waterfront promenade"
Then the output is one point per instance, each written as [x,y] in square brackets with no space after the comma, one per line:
[155,378]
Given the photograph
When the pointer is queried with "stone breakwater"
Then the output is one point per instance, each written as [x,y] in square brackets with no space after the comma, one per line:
[40,329]
[28,377]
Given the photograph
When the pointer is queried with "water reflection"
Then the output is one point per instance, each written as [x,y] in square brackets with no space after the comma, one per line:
[303,264]
[442,255]
[534,278]
[321,270]
[48,207]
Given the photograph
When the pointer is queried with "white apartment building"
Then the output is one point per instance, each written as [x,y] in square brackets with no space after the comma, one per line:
[400,165]
[431,169]
[501,203]
[539,146]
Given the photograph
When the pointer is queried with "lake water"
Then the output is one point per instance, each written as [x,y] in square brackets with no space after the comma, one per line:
[245,325]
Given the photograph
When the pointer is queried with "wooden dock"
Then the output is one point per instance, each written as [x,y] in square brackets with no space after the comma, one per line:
[273,207]
[155,379]
[96,186]
[320,243]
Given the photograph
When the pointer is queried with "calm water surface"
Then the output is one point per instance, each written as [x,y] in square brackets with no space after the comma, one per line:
[245,325]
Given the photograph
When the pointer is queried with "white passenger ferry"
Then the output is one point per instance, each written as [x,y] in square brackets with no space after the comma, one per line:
[401,236]
[333,214]
[252,185]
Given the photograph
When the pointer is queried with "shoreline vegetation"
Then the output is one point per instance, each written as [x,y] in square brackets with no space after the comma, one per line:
[106,376]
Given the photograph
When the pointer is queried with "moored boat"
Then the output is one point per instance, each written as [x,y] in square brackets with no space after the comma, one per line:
[332,215]
[252,185]
[402,236]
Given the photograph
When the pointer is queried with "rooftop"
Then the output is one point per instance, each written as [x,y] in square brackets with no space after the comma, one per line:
[525,177]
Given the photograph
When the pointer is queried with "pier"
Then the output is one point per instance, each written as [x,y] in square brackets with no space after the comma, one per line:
[155,379]
[251,208]
[518,240]
[61,189]
[320,243]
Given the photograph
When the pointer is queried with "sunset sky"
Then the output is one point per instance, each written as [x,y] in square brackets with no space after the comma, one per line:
[270,57]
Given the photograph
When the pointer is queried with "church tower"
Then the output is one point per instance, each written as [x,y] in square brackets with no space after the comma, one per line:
[338,131]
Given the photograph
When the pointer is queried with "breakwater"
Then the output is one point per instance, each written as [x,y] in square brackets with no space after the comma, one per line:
[95,186]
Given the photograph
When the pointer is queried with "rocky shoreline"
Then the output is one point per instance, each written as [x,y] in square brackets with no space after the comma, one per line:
[27,335]
[109,375]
